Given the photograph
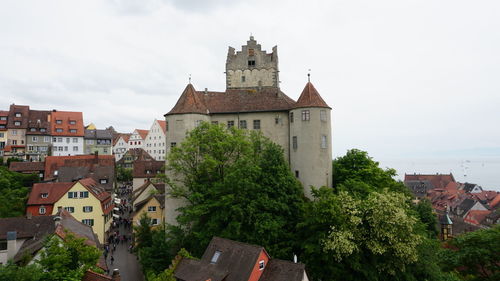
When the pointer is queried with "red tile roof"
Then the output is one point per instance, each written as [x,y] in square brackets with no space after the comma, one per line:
[495,201]
[141,169]
[38,120]
[54,190]
[438,180]
[189,102]
[4,113]
[124,136]
[98,192]
[65,117]
[94,276]
[310,98]
[163,125]
[142,133]
[476,216]
[54,163]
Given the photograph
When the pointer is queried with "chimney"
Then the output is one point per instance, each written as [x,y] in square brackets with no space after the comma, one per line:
[11,244]
[206,91]
[29,215]
[116,275]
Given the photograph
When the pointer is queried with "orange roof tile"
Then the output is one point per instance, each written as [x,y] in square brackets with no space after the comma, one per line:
[163,125]
[66,123]
[310,98]
[142,133]
[54,190]
[437,180]
[495,201]
[189,102]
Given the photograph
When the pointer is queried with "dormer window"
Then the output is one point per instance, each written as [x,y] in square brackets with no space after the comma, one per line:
[261,265]
[215,257]
[18,114]
[44,195]
[17,123]
[42,210]
[32,129]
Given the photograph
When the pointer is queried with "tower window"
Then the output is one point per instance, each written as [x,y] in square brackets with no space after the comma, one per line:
[322,115]
[296,173]
[251,62]
[306,115]
[243,78]
[295,144]
[291,117]
[323,141]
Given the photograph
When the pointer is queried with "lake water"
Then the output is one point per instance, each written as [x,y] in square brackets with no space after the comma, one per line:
[482,171]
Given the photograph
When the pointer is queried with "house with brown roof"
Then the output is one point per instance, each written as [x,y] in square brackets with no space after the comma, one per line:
[253,100]
[17,123]
[227,260]
[132,155]
[153,206]
[155,142]
[435,180]
[21,236]
[84,199]
[144,171]
[38,135]
[28,168]
[67,133]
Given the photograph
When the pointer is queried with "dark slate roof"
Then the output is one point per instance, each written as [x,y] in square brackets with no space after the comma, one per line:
[98,134]
[280,270]
[445,219]
[232,101]
[310,98]
[27,228]
[468,187]
[193,270]
[466,205]
[419,187]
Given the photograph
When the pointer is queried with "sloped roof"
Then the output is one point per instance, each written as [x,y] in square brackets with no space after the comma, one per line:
[124,136]
[437,180]
[54,163]
[141,168]
[495,201]
[232,101]
[25,227]
[142,133]
[160,187]
[280,270]
[24,110]
[163,125]
[310,98]
[66,117]
[94,276]
[54,190]
[98,134]
[27,166]
[38,119]
[189,102]
[136,154]
[190,270]
[477,215]
[419,188]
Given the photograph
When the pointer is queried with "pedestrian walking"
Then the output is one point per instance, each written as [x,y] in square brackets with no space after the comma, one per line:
[112,260]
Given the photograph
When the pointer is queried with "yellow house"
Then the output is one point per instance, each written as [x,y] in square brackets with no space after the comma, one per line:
[147,189]
[153,206]
[89,203]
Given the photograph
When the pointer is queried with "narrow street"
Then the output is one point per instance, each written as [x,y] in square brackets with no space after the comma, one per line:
[126,262]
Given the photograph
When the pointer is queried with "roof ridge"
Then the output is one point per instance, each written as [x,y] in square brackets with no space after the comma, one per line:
[310,98]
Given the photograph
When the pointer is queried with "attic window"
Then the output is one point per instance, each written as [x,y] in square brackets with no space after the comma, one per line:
[32,129]
[104,181]
[18,114]
[215,257]
[44,195]
[261,264]
[251,62]
[17,123]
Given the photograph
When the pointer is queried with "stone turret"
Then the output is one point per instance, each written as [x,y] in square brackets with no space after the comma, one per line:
[311,140]
[252,67]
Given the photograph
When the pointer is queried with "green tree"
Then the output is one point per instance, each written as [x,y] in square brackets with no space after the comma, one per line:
[11,271]
[475,255]
[14,192]
[168,274]
[156,257]
[237,185]
[427,217]
[358,173]
[67,259]
[124,174]
[143,233]
[343,237]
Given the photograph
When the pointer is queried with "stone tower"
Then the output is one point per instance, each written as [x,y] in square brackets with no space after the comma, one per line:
[252,67]
[311,140]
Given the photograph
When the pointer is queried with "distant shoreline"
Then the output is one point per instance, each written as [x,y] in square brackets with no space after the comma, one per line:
[484,171]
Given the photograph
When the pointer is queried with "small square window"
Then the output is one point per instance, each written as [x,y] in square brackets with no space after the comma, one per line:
[17,123]
[306,115]
[261,265]
[243,124]
[58,121]
[256,124]
[18,114]
[59,130]
[230,124]
[70,209]
[322,115]
[251,63]
[243,78]
[42,210]
[154,221]
[72,122]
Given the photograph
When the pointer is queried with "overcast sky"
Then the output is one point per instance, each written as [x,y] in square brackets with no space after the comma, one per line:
[405,79]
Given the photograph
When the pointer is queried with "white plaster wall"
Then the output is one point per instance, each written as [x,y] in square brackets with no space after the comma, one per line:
[63,142]
[155,142]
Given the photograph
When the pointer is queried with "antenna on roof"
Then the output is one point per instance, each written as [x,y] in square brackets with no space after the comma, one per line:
[189,78]
[309,75]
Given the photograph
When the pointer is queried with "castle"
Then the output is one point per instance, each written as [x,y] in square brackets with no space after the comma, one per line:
[253,100]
